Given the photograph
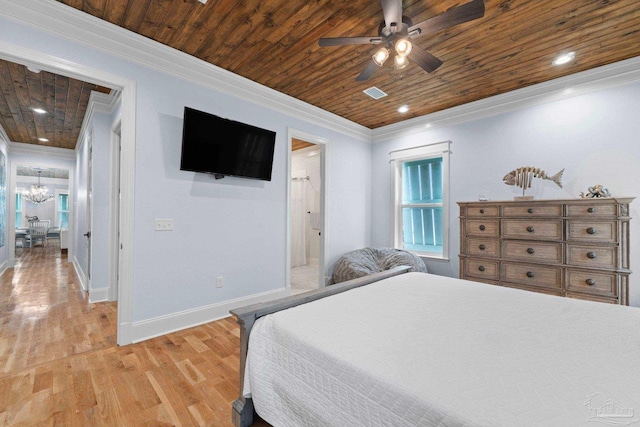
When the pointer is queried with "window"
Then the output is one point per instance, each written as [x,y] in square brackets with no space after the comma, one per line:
[62,206]
[421,199]
[18,209]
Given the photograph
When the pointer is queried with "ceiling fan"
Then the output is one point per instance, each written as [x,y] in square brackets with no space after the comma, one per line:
[396,31]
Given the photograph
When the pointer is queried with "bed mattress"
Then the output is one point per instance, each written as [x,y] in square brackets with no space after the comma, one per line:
[425,350]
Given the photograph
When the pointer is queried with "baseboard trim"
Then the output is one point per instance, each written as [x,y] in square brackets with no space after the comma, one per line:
[81,277]
[99,295]
[163,325]
[5,266]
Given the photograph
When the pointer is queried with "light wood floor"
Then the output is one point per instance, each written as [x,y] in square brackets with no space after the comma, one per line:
[59,364]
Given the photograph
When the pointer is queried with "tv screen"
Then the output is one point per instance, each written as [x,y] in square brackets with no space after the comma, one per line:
[224,147]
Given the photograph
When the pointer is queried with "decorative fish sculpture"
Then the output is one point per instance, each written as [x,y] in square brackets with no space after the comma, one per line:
[523,176]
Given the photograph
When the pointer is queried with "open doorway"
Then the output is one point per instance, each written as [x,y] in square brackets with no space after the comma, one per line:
[42,198]
[123,247]
[307,189]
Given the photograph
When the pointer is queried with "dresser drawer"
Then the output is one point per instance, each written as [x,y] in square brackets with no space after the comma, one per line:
[592,256]
[550,229]
[591,298]
[532,251]
[592,210]
[532,275]
[592,231]
[483,247]
[548,291]
[602,284]
[533,210]
[482,211]
[480,227]
[482,268]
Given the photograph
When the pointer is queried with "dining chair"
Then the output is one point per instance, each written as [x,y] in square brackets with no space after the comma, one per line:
[38,233]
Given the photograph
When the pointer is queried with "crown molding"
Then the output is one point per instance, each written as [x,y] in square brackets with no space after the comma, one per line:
[85,29]
[41,150]
[596,79]
[88,30]
[98,103]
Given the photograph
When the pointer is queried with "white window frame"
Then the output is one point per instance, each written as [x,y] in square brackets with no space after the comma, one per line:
[58,193]
[397,159]
[21,211]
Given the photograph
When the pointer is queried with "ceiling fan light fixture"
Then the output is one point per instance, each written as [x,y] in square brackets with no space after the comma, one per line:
[400,62]
[381,56]
[403,47]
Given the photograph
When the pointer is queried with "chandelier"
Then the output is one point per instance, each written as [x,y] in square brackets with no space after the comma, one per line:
[38,193]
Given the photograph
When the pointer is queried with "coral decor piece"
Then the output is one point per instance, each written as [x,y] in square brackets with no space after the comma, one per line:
[595,192]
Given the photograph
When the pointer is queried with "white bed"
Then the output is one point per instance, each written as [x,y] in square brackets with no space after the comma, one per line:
[424,350]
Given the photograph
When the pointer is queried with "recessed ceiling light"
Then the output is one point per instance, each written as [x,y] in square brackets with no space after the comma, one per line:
[39,110]
[564,58]
[403,109]
[43,139]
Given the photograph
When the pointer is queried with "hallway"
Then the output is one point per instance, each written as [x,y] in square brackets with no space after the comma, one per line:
[44,313]
[59,364]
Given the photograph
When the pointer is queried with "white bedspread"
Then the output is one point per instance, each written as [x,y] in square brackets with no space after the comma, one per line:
[425,350]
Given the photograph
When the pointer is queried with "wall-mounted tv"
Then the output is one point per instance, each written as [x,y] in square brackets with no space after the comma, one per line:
[224,147]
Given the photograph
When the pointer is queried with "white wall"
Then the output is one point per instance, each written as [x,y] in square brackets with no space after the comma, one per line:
[232,227]
[594,137]
[4,250]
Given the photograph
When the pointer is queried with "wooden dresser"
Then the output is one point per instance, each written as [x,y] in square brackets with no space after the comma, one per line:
[577,248]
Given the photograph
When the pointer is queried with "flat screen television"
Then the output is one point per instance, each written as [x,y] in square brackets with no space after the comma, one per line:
[224,147]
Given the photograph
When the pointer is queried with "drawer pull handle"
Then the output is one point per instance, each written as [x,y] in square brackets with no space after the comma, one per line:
[591,230]
[481,211]
[482,247]
[482,228]
[591,210]
[530,229]
[530,274]
[530,210]
[481,268]
[591,255]
[590,282]
[531,251]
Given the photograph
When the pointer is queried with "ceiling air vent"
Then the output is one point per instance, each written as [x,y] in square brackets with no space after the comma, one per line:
[375,93]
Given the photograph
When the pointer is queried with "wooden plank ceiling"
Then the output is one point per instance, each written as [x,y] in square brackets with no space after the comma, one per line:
[275,43]
[63,99]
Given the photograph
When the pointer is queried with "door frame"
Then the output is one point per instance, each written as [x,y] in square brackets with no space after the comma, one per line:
[323,143]
[43,61]
[114,208]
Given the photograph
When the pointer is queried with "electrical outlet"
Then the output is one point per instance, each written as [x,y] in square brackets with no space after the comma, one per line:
[164,225]
[219,281]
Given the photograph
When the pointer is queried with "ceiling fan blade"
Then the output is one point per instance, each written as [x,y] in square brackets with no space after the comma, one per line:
[341,41]
[467,12]
[392,10]
[368,71]
[427,61]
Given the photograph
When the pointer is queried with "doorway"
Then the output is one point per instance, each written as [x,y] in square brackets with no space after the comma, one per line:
[306,200]
[38,60]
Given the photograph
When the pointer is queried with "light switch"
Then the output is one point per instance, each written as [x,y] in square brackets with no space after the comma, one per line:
[164,224]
